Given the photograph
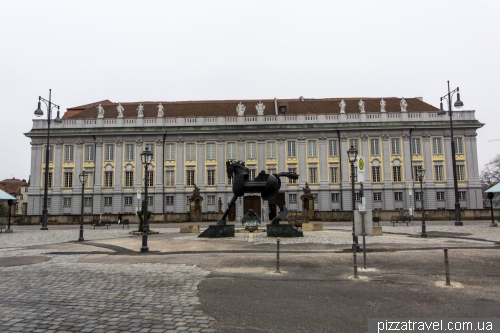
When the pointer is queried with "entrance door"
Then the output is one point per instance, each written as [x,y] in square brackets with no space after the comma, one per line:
[251,202]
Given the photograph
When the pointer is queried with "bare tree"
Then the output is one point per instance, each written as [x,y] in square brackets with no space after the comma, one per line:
[490,175]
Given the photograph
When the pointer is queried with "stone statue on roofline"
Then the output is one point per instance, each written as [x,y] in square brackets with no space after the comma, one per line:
[160,110]
[140,111]
[120,109]
[260,107]
[403,104]
[100,111]
[361,105]
[382,105]
[342,105]
[240,108]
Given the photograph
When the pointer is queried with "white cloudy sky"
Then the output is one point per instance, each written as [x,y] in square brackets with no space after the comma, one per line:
[88,51]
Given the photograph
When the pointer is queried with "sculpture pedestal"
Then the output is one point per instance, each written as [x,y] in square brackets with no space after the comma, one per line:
[283,230]
[217,231]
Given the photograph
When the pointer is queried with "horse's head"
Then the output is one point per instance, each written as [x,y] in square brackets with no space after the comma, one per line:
[235,168]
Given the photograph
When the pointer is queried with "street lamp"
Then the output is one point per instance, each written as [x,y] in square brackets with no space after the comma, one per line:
[353,154]
[146,157]
[10,203]
[57,120]
[458,104]
[83,179]
[420,176]
[490,196]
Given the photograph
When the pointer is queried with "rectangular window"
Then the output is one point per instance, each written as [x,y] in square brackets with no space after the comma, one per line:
[437,148]
[190,151]
[231,150]
[229,181]
[51,154]
[87,201]
[396,173]
[48,202]
[109,152]
[376,174]
[169,200]
[271,170]
[315,195]
[170,151]
[440,196]
[151,148]
[68,179]
[438,173]
[462,195]
[150,200]
[291,148]
[292,198]
[90,179]
[357,196]
[418,196]
[334,175]
[354,142]
[335,197]
[395,146]
[49,182]
[459,148]
[67,202]
[271,149]
[374,147]
[377,196]
[210,151]
[311,148]
[398,196]
[89,153]
[129,152]
[251,150]
[251,176]
[332,148]
[292,181]
[68,153]
[129,178]
[189,177]
[210,177]
[108,178]
[170,178]
[151,178]
[313,175]
[211,199]
[128,201]
[415,146]
[108,201]
[415,172]
[461,172]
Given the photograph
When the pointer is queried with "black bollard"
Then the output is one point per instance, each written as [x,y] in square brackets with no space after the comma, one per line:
[447,267]
[278,256]
[355,262]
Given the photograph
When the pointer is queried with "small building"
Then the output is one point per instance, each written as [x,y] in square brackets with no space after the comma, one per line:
[19,189]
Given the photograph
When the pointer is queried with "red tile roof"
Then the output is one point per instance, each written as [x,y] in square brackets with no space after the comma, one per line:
[13,186]
[228,108]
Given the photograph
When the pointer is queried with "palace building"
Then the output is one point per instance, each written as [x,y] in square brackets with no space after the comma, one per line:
[191,142]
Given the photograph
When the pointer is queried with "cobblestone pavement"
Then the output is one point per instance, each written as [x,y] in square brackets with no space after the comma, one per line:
[62,295]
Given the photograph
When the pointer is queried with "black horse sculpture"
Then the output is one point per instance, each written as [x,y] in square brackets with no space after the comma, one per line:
[267,185]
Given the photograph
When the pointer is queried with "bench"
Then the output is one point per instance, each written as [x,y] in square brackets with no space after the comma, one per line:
[2,227]
[399,219]
[126,222]
[376,219]
[103,223]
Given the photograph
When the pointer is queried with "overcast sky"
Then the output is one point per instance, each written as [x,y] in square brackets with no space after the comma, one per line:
[126,51]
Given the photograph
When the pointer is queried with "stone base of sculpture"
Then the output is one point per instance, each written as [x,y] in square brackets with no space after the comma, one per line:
[283,230]
[218,231]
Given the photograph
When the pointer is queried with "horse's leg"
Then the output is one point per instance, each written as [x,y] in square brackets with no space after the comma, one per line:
[222,220]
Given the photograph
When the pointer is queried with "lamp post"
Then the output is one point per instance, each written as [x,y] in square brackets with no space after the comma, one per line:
[458,104]
[353,153]
[10,203]
[146,157]
[57,120]
[420,176]
[490,196]
[83,179]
